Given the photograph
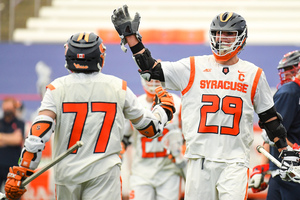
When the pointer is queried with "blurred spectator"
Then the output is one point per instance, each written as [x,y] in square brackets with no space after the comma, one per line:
[11,137]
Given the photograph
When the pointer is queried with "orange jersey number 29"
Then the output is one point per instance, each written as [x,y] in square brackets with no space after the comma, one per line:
[230,106]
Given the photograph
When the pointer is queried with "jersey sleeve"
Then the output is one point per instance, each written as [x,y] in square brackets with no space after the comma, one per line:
[263,99]
[176,74]
[132,108]
[48,102]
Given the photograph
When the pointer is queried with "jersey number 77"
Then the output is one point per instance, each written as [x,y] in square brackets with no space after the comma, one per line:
[81,110]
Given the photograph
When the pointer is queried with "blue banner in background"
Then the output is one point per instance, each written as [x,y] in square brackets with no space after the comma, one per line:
[18,61]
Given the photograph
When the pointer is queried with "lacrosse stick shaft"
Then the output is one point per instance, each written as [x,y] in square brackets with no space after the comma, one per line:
[261,149]
[48,166]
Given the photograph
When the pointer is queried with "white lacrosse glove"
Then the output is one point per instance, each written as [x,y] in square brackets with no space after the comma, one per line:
[290,162]
[266,138]
[256,181]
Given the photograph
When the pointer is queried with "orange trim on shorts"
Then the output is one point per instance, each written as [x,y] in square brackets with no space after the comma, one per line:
[192,76]
[124,85]
[50,86]
[255,83]
[180,192]
[246,195]
[121,186]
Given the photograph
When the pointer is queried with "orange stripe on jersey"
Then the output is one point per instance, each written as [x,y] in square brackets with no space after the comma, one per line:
[192,76]
[179,117]
[124,85]
[27,158]
[40,128]
[255,83]
[50,86]
[121,186]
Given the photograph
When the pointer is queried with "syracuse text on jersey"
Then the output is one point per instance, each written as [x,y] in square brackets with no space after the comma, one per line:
[221,84]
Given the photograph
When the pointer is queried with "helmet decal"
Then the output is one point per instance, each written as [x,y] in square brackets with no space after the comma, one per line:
[78,66]
[224,17]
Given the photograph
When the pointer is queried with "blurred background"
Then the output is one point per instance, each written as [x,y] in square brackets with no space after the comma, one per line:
[33,32]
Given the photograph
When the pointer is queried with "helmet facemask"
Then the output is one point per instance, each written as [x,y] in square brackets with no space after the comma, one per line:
[228,34]
[150,86]
[288,67]
[287,74]
[226,44]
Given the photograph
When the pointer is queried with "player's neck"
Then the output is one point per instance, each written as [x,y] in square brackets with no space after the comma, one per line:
[231,61]
[149,98]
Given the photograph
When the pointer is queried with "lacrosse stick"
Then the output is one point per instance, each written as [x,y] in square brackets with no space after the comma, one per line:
[172,142]
[48,166]
[261,149]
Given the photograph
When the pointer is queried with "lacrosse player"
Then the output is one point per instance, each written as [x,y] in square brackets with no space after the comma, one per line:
[153,174]
[282,185]
[89,106]
[220,92]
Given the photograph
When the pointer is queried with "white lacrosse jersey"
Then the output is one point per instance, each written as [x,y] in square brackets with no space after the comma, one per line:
[91,108]
[218,103]
[150,159]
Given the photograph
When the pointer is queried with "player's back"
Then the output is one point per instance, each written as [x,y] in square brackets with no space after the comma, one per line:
[89,108]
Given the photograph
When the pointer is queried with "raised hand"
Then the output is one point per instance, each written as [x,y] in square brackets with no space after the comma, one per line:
[125,25]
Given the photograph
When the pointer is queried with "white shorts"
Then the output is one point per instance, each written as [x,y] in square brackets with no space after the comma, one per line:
[216,180]
[106,186]
[169,190]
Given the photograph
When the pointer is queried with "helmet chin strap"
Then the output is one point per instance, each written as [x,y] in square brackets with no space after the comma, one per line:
[99,66]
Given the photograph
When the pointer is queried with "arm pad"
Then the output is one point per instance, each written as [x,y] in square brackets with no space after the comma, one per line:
[273,128]
[145,62]
[41,130]
[150,126]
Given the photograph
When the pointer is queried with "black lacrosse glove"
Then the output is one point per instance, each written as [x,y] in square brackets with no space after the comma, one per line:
[124,25]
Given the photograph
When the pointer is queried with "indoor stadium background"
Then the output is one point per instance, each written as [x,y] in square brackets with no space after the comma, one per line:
[34,32]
